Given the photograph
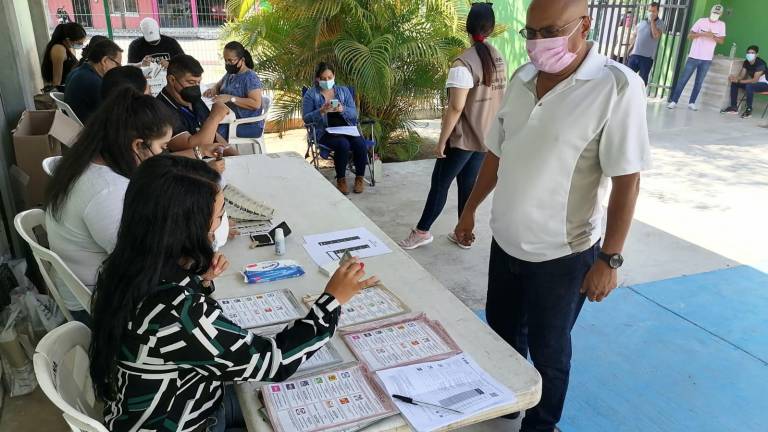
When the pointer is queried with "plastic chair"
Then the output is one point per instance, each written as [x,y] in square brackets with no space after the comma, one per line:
[62,369]
[234,139]
[49,164]
[64,107]
[25,222]
[317,151]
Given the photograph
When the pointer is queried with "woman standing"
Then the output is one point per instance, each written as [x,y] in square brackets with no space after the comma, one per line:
[59,57]
[476,83]
[328,105]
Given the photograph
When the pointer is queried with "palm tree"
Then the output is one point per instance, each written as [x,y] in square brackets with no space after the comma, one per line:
[395,53]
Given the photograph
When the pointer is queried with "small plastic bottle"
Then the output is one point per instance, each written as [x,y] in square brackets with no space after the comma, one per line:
[279,242]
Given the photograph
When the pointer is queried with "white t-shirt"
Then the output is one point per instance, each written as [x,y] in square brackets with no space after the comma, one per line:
[86,231]
[459,77]
[558,152]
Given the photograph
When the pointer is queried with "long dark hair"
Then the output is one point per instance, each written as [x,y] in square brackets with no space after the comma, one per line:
[480,23]
[166,218]
[126,116]
[72,31]
[241,52]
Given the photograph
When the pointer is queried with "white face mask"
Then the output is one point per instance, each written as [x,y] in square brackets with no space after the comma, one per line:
[221,234]
[714,17]
[751,57]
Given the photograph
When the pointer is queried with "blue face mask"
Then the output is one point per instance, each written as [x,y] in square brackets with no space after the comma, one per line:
[327,85]
[751,57]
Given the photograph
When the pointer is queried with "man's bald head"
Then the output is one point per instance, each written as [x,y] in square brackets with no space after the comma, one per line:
[560,18]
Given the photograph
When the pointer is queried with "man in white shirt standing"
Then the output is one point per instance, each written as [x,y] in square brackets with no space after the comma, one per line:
[570,121]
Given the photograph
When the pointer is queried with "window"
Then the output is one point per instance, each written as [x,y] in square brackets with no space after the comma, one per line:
[123,6]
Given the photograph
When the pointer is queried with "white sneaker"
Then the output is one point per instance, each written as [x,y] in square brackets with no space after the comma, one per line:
[416,239]
[693,107]
[672,105]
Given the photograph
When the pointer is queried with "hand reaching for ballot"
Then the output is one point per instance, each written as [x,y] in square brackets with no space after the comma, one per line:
[348,280]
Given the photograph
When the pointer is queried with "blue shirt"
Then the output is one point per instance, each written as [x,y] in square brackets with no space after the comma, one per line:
[314,100]
[239,85]
[83,91]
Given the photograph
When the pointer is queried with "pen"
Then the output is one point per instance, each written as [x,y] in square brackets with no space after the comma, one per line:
[411,401]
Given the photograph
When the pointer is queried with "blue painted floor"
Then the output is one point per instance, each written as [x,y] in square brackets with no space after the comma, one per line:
[683,354]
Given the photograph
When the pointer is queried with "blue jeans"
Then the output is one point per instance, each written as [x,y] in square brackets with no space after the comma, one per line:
[342,145]
[701,67]
[642,65]
[461,165]
[749,90]
[229,416]
[249,130]
[534,306]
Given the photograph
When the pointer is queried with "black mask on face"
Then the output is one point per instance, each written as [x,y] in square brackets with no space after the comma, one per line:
[231,68]
[191,94]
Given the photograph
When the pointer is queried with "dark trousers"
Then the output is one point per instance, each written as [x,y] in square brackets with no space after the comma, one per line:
[642,65]
[342,145]
[533,306]
[461,165]
[82,316]
[749,90]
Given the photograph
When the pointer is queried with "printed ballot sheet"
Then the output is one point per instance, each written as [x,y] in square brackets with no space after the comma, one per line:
[323,358]
[242,207]
[261,310]
[399,341]
[330,247]
[457,383]
[370,304]
[331,400]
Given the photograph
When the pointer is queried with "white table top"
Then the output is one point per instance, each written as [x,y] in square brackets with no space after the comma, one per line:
[311,205]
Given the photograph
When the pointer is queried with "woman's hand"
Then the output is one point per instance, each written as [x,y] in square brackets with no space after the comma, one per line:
[219,264]
[325,108]
[440,150]
[346,282]
[210,93]
[233,232]
[224,98]
[218,165]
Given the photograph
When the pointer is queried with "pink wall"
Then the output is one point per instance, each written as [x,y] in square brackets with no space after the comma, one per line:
[146,8]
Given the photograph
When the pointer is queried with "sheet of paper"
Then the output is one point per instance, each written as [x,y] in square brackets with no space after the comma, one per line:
[370,304]
[323,358]
[326,401]
[246,228]
[458,383]
[399,341]
[344,130]
[329,247]
[261,310]
[242,207]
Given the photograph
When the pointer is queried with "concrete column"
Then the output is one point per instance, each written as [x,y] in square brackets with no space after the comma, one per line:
[39,14]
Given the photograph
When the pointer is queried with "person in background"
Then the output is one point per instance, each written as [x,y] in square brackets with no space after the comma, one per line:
[706,34]
[59,57]
[240,89]
[83,88]
[646,42]
[152,46]
[195,125]
[751,79]
[476,83]
[152,306]
[123,76]
[318,109]
[572,121]
[85,196]
[84,52]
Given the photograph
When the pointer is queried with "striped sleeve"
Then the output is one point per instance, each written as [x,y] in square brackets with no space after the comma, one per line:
[213,344]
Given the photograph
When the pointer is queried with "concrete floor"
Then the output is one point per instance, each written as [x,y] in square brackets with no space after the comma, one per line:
[701,208]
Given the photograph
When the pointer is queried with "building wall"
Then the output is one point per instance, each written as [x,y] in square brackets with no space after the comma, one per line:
[511,13]
[746,25]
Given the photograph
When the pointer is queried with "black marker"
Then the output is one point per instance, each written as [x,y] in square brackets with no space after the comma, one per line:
[411,401]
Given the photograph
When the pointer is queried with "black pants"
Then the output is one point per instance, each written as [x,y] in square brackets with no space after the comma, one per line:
[749,90]
[342,145]
[461,165]
[534,306]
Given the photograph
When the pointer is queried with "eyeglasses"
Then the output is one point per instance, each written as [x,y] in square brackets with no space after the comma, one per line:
[115,61]
[232,61]
[547,32]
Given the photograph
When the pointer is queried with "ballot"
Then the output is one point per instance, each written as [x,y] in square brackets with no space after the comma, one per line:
[370,304]
[260,310]
[330,247]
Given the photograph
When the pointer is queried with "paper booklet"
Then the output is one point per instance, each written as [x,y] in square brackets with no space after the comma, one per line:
[260,310]
[325,357]
[242,207]
[370,304]
[335,400]
[399,341]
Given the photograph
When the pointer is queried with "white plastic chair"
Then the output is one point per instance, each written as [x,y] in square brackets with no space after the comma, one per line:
[25,222]
[235,140]
[49,164]
[64,107]
[62,369]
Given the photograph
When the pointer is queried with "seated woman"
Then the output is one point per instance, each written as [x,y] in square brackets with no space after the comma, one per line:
[59,57]
[326,105]
[162,350]
[240,90]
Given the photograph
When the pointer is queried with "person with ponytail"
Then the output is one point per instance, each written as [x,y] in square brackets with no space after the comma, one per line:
[240,89]
[59,57]
[476,83]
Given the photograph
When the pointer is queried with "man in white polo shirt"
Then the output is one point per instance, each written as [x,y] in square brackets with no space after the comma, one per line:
[571,123]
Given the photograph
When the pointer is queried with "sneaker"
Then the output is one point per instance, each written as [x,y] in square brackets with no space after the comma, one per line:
[672,105]
[747,114]
[359,185]
[693,107]
[341,185]
[416,239]
[452,238]
[729,110]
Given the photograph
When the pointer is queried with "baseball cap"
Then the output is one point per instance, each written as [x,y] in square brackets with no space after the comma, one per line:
[150,29]
[717,9]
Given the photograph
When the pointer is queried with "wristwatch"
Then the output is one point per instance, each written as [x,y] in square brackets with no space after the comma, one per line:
[233,99]
[614,261]
[198,153]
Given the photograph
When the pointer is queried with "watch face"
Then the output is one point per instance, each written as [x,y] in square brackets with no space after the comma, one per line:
[616,261]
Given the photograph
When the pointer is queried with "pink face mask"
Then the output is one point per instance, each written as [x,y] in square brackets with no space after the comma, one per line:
[551,55]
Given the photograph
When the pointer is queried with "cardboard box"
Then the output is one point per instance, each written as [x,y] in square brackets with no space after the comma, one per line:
[40,134]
